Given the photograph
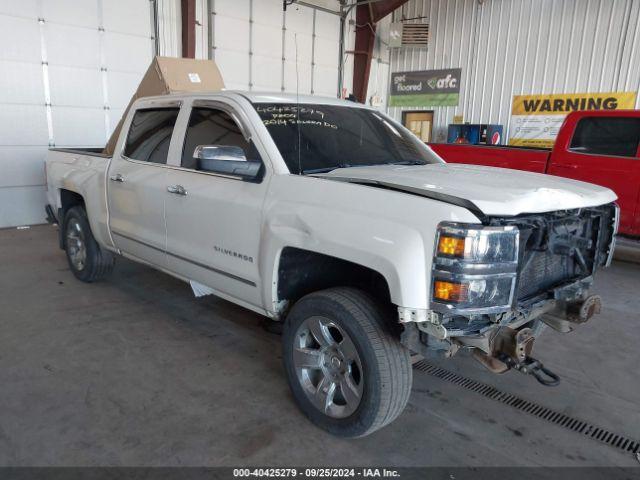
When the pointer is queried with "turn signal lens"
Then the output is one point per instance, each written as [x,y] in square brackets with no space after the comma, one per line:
[453,246]
[450,292]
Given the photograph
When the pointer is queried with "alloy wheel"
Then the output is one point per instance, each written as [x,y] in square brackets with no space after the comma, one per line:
[328,367]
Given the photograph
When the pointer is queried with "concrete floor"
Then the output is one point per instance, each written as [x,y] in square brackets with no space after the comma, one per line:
[136,371]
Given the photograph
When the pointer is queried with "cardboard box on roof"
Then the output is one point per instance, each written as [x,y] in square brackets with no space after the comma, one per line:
[170,75]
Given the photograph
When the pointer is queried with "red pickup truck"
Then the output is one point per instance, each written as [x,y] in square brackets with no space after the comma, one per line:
[601,147]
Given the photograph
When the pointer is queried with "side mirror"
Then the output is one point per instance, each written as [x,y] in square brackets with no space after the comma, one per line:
[226,160]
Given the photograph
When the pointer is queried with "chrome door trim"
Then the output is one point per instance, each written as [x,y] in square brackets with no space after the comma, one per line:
[173,167]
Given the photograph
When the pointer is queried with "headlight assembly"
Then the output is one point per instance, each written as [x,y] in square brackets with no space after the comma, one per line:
[474,268]
[478,245]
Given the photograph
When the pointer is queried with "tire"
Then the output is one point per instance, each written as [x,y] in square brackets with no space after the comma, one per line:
[87,260]
[368,390]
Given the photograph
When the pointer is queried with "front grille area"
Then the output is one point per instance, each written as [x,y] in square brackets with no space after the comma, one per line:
[544,271]
[560,247]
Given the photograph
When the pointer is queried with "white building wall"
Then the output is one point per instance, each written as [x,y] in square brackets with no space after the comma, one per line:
[512,47]
[67,71]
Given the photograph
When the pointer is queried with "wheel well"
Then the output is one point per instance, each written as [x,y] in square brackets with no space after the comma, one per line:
[68,200]
[301,272]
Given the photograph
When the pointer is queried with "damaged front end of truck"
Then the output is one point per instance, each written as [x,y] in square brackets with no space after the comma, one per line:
[496,286]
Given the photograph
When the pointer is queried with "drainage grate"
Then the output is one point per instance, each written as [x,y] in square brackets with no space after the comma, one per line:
[570,423]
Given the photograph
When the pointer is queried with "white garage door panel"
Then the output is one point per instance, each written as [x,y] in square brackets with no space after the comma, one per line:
[23,125]
[23,8]
[267,74]
[235,36]
[22,205]
[235,8]
[234,67]
[82,13]
[327,48]
[232,34]
[326,52]
[267,41]
[327,26]
[125,16]
[121,86]
[20,40]
[303,78]
[305,46]
[21,83]
[75,86]
[20,166]
[299,19]
[268,12]
[72,46]
[325,81]
[76,126]
[78,54]
[127,53]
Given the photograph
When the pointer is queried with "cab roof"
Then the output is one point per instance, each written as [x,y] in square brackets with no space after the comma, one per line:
[265,97]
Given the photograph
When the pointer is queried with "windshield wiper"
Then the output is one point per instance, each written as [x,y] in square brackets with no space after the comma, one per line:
[407,162]
[327,169]
[349,165]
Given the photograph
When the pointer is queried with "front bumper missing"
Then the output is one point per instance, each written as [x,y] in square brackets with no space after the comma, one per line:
[504,341]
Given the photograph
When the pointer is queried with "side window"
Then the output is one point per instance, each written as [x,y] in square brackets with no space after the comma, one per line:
[209,126]
[618,136]
[150,134]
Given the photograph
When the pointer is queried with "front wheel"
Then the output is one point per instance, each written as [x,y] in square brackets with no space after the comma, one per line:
[348,372]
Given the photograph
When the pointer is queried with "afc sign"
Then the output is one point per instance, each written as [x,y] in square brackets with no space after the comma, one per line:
[425,88]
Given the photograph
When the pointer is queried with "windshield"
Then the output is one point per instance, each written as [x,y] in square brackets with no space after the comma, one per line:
[331,136]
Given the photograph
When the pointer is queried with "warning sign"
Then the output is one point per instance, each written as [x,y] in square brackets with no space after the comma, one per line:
[536,119]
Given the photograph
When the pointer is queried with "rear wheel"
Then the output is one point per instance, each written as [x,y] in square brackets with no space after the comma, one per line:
[348,372]
[87,260]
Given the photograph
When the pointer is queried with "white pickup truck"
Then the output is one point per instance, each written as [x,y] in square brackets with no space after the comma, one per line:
[333,218]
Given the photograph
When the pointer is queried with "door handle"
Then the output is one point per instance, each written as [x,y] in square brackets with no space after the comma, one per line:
[177,189]
[571,167]
[117,178]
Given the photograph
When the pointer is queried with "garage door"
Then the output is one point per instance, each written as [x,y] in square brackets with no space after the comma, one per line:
[254,45]
[67,71]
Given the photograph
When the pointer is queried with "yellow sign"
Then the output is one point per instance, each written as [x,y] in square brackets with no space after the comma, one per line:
[536,119]
[458,119]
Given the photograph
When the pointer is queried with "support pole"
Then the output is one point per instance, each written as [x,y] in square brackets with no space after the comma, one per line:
[188,28]
[368,14]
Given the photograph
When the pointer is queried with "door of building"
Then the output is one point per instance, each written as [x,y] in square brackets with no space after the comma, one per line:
[420,123]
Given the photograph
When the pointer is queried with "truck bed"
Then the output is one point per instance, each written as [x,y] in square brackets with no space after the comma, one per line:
[91,151]
[80,172]
[519,158]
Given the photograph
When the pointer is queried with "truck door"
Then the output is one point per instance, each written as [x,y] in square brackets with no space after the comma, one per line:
[604,150]
[214,221]
[137,185]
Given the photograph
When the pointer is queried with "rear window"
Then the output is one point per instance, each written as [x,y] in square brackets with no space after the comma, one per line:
[607,136]
[150,134]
